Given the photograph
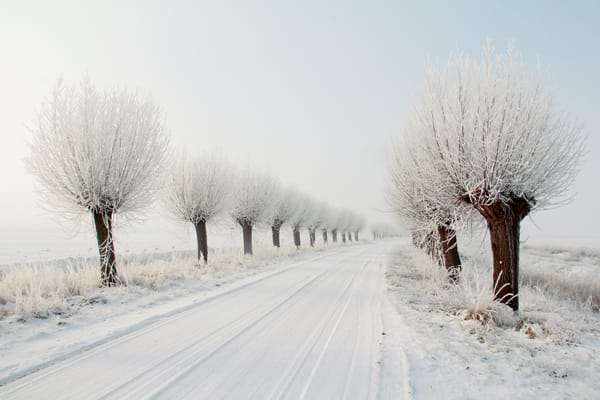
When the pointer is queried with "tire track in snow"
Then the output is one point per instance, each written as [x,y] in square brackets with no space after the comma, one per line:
[286,385]
[217,384]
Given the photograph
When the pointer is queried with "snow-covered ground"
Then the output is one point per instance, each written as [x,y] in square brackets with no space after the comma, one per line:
[547,351]
[317,324]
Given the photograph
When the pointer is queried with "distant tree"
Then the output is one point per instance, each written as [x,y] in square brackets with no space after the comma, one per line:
[197,191]
[327,217]
[496,135]
[358,224]
[254,198]
[337,222]
[305,210]
[100,152]
[344,223]
[283,211]
[316,220]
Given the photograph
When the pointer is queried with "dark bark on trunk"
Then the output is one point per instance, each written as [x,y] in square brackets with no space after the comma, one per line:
[275,228]
[106,249]
[202,241]
[312,237]
[297,237]
[334,235]
[247,235]
[350,236]
[325,236]
[343,237]
[356,236]
[449,249]
[504,224]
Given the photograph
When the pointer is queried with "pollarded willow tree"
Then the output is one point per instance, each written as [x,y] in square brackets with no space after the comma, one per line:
[423,204]
[254,198]
[316,220]
[197,191]
[304,214]
[283,211]
[99,152]
[495,134]
[358,225]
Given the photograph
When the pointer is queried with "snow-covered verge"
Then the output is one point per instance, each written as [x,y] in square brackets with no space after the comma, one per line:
[48,312]
[461,345]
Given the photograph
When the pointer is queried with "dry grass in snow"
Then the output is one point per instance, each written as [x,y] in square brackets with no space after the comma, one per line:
[40,290]
[462,344]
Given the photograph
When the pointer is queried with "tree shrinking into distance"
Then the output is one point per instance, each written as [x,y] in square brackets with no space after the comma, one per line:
[316,220]
[305,210]
[496,136]
[254,198]
[284,209]
[99,152]
[198,191]
[423,204]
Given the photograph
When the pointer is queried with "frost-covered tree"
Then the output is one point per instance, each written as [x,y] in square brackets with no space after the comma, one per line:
[197,191]
[496,135]
[99,152]
[327,218]
[316,220]
[254,198]
[358,225]
[305,210]
[337,221]
[283,211]
[344,222]
[424,205]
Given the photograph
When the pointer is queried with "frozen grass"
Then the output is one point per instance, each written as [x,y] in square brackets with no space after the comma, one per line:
[458,333]
[40,290]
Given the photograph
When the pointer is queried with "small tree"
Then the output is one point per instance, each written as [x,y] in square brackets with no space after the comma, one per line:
[358,225]
[197,191]
[305,209]
[254,198]
[316,220]
[284,210]
[98,152]
[497,137]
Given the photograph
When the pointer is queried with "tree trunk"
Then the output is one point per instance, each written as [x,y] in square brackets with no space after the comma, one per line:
[449,250]
[275,230]
[350,236]
[106,248]
[504,224]
[201,240]
[296,237]
[325,236]
[343,237]
[356,236]
[312,237]
[334,235]
[247,235]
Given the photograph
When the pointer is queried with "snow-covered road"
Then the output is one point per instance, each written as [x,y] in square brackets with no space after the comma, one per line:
[309,330]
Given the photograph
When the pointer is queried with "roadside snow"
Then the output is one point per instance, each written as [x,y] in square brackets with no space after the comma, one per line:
[548,351]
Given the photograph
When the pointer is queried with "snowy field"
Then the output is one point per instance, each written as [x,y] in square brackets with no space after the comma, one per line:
[310,324]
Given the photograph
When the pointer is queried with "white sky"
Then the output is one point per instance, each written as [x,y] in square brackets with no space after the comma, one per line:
[313,92]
